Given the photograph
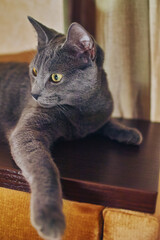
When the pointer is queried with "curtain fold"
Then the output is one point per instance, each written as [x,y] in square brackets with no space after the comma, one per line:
[154,10]
[123,31]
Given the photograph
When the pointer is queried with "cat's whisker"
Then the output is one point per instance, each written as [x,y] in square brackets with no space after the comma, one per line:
[62,108]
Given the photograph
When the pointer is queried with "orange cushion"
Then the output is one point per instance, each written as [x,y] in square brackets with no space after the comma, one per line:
[84,221]
[122,224]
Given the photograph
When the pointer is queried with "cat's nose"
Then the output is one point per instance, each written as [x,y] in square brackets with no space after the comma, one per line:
[35,96]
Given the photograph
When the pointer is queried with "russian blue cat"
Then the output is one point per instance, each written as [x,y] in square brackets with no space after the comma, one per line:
[64,96]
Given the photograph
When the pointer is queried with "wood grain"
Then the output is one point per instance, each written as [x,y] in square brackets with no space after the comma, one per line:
[18,57]
[97,170]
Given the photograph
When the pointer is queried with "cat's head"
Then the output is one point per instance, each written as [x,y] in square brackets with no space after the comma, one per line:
[65,69]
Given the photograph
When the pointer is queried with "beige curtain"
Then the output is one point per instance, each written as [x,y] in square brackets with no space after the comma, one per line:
[129,31]
[154,8]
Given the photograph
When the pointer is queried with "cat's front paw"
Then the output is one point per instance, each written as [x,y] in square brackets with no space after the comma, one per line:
[49,222]
[132,136]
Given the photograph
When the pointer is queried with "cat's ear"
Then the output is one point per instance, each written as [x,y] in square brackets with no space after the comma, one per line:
[81,40]
[44,34]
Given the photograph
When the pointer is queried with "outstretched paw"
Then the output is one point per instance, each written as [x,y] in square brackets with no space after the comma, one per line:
[49,222]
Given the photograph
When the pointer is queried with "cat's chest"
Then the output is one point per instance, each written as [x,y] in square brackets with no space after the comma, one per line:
[84,123]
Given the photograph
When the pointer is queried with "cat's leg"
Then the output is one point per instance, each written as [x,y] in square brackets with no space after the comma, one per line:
[119,132]
[30,150]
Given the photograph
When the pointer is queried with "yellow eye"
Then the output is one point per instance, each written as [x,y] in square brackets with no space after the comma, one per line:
[56,77]
[34,72]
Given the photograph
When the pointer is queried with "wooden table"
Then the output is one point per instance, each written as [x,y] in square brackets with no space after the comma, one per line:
[100,171]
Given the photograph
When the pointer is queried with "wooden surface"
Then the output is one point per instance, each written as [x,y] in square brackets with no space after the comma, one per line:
[18,57]
[101,171]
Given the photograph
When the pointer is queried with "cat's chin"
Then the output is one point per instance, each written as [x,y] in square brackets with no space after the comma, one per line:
[45,105]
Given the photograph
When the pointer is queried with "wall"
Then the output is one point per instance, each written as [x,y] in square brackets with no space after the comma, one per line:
[17,34]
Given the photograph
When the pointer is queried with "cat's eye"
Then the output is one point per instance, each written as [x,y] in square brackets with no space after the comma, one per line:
[34,72]
[56,77]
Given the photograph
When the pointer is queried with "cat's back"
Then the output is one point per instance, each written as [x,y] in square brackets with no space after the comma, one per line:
[14,89]
[12,71]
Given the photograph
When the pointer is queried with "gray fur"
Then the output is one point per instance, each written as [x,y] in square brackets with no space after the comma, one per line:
[78,105]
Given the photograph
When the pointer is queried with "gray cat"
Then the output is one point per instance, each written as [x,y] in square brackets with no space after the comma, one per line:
[65,96]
